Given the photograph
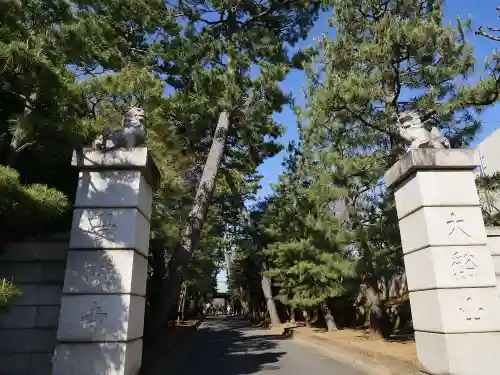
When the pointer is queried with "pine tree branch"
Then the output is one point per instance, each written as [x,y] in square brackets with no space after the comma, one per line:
[24,146]
[397,83]
[483,32]
[365,122]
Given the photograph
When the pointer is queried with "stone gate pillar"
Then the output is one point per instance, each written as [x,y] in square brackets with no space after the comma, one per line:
[454,304]
[102,311]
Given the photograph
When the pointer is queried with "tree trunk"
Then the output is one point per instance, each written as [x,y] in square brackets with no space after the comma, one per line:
[268,295]
[292,315]
[181,303]
[192,229]
[378,319]
[200,309]
[329,319]
[315,316]
[265,281]
[307,320]
[242,298]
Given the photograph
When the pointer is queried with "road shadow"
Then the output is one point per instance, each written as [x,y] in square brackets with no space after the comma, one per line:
[159,348]
[224,346]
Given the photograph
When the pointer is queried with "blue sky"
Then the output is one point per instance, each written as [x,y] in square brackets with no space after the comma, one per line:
[482,13]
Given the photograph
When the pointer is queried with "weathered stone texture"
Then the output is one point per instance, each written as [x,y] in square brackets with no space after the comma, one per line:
[99,358]
[430,159]
[28,330]
[106,271]
[443,265]
[442,226]
[114,189]
[86,318]
[96,228]
[19,317]
[458,354]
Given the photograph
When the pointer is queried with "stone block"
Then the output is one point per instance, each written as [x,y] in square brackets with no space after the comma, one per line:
[41,364]
[21,273]
[53,272]
[496,264]
[456,310]
[436,188]
[431,159]
[458,354]
[493,234]
[126,159]
[39,295]
[24,273]
[114,189]
[35,251]
[106,271]
[493,231]
[98,358]
[47,316]
[28,340]
[19,317]
[449,267]
[14,364]
[442,226]
[110,229]
[101,318]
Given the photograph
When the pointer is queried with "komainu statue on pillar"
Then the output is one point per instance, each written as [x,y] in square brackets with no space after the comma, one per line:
[132,134]
[411,129]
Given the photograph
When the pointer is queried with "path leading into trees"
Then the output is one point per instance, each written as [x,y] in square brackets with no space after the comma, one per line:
[228,346]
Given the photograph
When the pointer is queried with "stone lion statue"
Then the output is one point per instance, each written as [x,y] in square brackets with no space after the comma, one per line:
[132,134]
[411,129]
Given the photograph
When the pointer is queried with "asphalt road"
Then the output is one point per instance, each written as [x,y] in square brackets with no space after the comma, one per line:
[229,346]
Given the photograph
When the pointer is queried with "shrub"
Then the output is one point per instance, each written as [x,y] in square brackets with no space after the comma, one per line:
[28,210]
[7,291]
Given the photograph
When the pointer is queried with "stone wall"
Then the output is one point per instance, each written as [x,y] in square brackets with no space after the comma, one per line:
[28,330]
[493,234]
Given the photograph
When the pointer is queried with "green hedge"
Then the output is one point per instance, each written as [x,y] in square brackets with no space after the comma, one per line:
[29,210]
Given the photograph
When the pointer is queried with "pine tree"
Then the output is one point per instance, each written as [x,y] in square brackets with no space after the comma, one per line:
[44,48]
[386,57]
[254,234]
[308,258]
[223,42]
[49,50]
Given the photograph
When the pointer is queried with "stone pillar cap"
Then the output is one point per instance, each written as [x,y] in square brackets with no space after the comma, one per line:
[431,159]
[118,159]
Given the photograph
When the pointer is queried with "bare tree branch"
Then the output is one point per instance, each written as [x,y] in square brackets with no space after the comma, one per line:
[483,32]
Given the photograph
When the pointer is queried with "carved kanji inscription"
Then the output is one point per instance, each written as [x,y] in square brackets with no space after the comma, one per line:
[472,310]
[456,225]
[464,265]
[96,274]
[102,225]
[93,318]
